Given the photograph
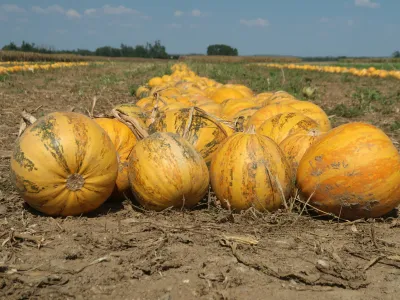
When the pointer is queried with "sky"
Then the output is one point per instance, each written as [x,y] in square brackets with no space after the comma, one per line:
[284,27]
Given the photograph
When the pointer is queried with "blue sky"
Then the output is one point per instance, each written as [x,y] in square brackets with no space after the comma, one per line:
[285,27]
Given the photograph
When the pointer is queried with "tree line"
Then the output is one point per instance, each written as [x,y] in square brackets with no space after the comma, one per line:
[155,50]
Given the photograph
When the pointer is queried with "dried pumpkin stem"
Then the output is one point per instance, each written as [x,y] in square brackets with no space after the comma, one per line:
[189,123]
[75,182]
[211,118]
[139,132]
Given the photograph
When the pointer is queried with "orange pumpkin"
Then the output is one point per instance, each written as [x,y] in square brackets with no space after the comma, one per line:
[200,129]
[165,170]
[283,125]
[250,170]
[124,140]
[64,164]
[224,93]
[352,171]
[267,112]
[231,107]
[314,112]
[294,146]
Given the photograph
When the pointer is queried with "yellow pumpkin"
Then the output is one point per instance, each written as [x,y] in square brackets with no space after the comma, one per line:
[352,171]
[266,112]
[294,146]
[142,92]
[314,112]
[283,125]
[211,107]
[156,81]
[166,171]
[200,129]
[231,107]
[124,140]
[250,170]
[224,93]
[64,164]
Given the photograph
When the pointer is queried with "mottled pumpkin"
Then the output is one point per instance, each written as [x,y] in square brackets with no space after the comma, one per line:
[314,112]
[352,171]
[211,107]
[294,146]
[123,140]
[142,92]
[64,164]
[165,170]
[250,170]
[200,129]
[266,112]
[283,125]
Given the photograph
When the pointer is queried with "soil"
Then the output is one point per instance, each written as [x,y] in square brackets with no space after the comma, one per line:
[121,251]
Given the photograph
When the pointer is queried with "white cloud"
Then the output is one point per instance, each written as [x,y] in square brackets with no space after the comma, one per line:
[196,13]
[118,10]
[49,10]
[366,3]
[3,18]
[90,12]
[12,8]
[259,22]
[72,14]
[178,13]
[174,26]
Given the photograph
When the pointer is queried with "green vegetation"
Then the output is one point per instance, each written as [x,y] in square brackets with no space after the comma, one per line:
[221,49]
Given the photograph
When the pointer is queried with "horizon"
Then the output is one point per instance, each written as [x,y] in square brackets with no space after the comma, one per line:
[351,28]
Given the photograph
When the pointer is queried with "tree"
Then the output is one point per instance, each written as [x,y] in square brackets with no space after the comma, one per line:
[221,49]
[10,47]
[396,54]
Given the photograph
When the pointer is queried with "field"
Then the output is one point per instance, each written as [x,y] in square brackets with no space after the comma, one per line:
[122,251]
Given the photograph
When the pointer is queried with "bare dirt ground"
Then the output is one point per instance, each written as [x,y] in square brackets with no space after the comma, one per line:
[123,252]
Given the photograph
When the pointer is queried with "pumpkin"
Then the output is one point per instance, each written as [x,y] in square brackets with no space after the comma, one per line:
[211,108]
[283,125]
[294,146]
[156,81]
[123,140]
[352,171]
[165,170]
[224,93]
[142,92]
[231,107]
[267,112]
[245,114]
[314,112]
[199,128]
[250,170]
[64,164]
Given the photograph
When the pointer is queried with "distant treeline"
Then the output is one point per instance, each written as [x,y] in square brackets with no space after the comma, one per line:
[155,50]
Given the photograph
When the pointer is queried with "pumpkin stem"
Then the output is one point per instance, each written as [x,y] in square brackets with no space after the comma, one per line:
[27,119]
[213,119]
[75,182]
[139,132]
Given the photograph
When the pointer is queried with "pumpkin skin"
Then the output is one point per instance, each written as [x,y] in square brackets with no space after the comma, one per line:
[223,93]
[314,112]
[142,92]
[123,140]
[294,147]
[64,164]
[250,170]
[164,169]
[267,112]
[133,111]
[231,107]
[353,171]
[205,135]
[283,125]
[211,108]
